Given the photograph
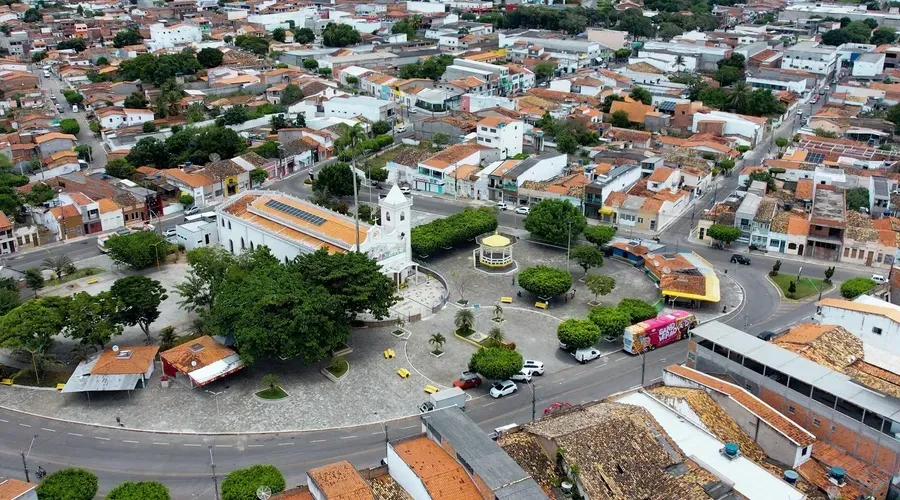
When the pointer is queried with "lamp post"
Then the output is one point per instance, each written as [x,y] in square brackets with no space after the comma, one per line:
[156,252]
[533,402]
[568,244]
[25,455]
[216,395]
[212,466]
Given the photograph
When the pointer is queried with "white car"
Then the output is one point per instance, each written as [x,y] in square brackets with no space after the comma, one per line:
[168,233]
[405,189]
[46,74]
[400,128]
[524,375]
[503,388]
[877,278]
[586,354]
[501,205]
[192,210]
[536,367]
[74,108]
[523,210]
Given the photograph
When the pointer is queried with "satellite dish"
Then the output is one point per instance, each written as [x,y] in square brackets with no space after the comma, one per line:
[214,157]
[263,492]
[115,348]
[194,363]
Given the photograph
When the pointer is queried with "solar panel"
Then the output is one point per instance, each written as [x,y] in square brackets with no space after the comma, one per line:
[296,212]
[815,157]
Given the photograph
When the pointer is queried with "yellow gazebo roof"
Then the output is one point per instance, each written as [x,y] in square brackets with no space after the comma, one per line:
[496,241]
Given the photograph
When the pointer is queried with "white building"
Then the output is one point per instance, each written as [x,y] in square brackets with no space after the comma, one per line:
[369,108]
[198,233]
[501,133]
[166,37]
[774,83]
[870,64]
[807,56]
[873,320]
[113,117]
[745,129]
[290,226]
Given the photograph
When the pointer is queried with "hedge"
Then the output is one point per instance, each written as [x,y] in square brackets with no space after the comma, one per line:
[453,230]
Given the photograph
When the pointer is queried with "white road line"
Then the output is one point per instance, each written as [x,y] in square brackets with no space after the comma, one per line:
[46,429]
[25,425]
[224,446]
[319,441]
[191,444]
[379,432]
[409,427]
[73,434]
[285,444]
[352,437]
[489,404]
[4,421]
[101,438]
[161,444]
[130,441]
[255,445]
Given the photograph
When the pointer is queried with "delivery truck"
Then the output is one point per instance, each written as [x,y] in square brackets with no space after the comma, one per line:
[445,398]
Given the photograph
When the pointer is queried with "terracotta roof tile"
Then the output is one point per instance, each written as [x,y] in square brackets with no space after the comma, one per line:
[444,477]
[340,481]
[804,189]
[14,488]
[112,363]
[204,350]
[661,174]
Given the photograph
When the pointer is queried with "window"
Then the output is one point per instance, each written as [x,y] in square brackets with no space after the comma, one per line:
[873,420]
[824,398]
[640,220]
[816,422]
[229,224]
[387,216]
[792,410]
[850,409]
[776,375]
[891,428]
[846,251]
[721,351]
[800,386]
[754,366]
[804,451]
[706,344]
[876,330]
[737,358]
[223,222]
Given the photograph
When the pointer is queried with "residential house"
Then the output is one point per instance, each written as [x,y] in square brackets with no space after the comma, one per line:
[117,368]
[606,179]
[684,277]
[370,108]
[568,187]
[54,142]
[746,130]
[112,118]
[59,163]
[636,111]
[12,81]
[827,220]
[14,489]
[15,238]
[501,133]
[425,470]
[202,187]
[433,173]
[337,481]
[166,37]
[202,360]
[504,181]
[811,57]
[874,321]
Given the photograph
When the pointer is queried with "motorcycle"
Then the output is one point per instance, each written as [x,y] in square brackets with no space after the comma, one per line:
[40,472]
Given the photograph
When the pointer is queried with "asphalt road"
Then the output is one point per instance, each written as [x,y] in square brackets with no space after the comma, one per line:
[54,87]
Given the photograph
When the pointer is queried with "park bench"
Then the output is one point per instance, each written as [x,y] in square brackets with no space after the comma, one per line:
[540,305]
[389,354]
[430,389]
[506,300]
[404,373]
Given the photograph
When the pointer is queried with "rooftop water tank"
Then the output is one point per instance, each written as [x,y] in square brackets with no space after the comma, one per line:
[731,449]
[790,476]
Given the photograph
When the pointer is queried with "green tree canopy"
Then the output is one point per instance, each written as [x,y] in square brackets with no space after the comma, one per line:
[126,37]
[340,35]
[241,484]
[310,64]
[610,320]
[587,256]
[93,319]
[854,287]
[545,281]
[137,250]
[304,35]
[600,285]
[252,43]
[496,363]
[555,221]
[637,310]
[210,57]
[544,70]
[723,233]
[456,229]
[885,35]
[727,75]
[136,100]
[857,198]
[69,126]
[431,68]
[144,490]
[336,179]
[32,326]
[620,119]
[566,143]
[381,127]
[578,333]
[599,235]
[278,34]
[137,299]
[641,94]
[68,484]
[157,69]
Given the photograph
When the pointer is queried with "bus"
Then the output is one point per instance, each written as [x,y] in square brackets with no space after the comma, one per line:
[657,332]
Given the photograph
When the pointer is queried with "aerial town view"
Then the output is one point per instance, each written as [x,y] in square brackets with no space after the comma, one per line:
[449,249]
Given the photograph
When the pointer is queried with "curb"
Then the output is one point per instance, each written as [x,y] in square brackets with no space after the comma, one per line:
[811,298]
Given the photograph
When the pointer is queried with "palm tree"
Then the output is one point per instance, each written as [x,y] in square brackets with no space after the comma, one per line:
[498,311]
[58,265]
[736,97]
[351,140]
[464,320]
[679,62]
[496,333]
[437,340]
[270,382]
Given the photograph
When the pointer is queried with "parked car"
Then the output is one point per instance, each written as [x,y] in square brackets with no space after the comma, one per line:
[877,278]
[405,190]
[192,210]
[766,335]
[400,128]
[168,233]
[503,388]
[46,74]
[740,259]
[524,375]
[501,205]
[586,354]
[53,97]
[523,210]
[536,367]
[468,380]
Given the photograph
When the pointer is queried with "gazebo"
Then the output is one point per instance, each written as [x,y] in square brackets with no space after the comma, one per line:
[495,250]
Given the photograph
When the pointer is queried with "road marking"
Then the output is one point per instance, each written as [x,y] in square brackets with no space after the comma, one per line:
[4,421]
[101,438]
[130,441]
[73,434]
[161,444]
[25,425]
[353,437]
[288,444]
[378,432]
[224,446]
[46,429]
[191,444]
[409,427]
[489,404]
[255,445]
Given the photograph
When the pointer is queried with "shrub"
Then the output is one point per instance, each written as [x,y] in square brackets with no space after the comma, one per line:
[453,230]
[855,287]
[610,320]
[146,490]
[578,333]
[495,363]
[68,484]
[545,281]
[242,484]
[69,126]
[637,310]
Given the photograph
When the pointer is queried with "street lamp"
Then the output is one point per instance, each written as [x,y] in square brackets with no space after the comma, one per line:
[216,395]
[156,252]
[25,455]
[568,244]
[533,402]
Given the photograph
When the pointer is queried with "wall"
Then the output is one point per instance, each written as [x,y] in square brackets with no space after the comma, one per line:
[863,68]
[404,475]
[111,220]
[861,324]
[544,169]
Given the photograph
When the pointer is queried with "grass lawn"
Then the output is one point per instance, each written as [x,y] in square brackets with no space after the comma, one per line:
[26,377]
[272,393]
[338,368]
[804,288]
[77,275]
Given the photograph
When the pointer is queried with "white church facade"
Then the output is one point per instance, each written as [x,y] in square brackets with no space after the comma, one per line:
[290,226]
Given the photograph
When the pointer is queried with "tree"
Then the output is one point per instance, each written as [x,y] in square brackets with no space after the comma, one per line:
[186,200]
[304,35]
[149,151]
[599,235]
[270,381]
[737,96]
[735,61]
[781,142]
[587,256]
[340,35]
[600,284]
[857,198]
[9,299]
[610,320]
[255,44]
[496,363]
[210,57]
[637,310]
[208,268]
[727,75]
[93,319]
[792,289]
[544,71]
[723,233]
[636,24]
[68,484]
[236,115]
[278,34]
[440,139]
[885,35]
[258,176]
[120,168]
[34,279]
[464,319]
[725,165]
[102,61]
[311,64]
[578,333]
[241,484]
[144,490]
[69,126]
[545,281]
[136,101]
[555,221]
[137,301]
[148,127]
[775,268]
[641,94]
[32,326]
[459,228]
[38,56]
[408,25]
[59,265]
[335,179]
[566,143]
[854,287]
[32,15]
[668,31]
[620,119]
[381,127]
[438,341]
[39,194]
[829,272]
[126,37]
[138,250]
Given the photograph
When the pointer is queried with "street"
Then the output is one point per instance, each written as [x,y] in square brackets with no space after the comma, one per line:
[54,87]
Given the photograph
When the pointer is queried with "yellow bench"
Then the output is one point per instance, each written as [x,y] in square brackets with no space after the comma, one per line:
[91,281]
[389,353]
[59,387]
[506,300]
[6,381]
[540,305]
[404,373]
[430,389]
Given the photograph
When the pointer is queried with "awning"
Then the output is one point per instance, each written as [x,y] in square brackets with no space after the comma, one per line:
[607,211]
[712,294]
[216,370]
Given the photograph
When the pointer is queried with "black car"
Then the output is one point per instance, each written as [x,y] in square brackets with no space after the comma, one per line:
[740,259]
[766,335]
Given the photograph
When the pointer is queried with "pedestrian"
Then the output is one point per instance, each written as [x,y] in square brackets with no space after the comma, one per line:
[519,294]
[724,309]
[566,297]
[573,292]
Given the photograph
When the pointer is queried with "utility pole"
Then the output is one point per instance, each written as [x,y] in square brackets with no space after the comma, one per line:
[643,367]
[569,245]
[354,178]
[25,455]
[212,465]
[533,402]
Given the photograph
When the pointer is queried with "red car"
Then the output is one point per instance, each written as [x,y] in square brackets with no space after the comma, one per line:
[467,381]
